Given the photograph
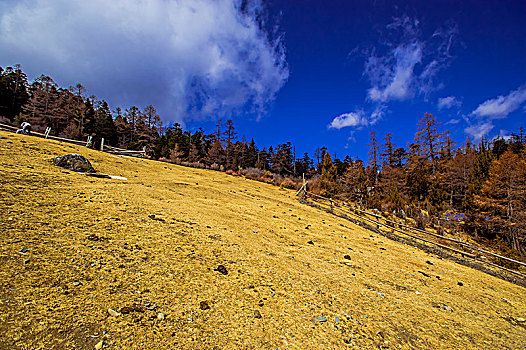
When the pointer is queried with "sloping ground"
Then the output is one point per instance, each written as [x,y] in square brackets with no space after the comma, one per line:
[74,246]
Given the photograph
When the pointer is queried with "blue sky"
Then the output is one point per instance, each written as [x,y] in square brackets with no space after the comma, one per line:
[316,73]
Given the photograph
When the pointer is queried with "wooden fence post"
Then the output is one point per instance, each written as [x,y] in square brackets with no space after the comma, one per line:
[88,143]
[102,145]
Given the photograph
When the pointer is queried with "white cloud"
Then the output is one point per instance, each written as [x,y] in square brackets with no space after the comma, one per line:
[501,106]
[348,119]
[394,81]
[408,65]
[448,102]
[479,130]
[190,58]
[356,119]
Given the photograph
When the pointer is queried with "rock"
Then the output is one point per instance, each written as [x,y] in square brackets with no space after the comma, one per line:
[222,269]
[520,319]
[310,242]
[257,314]
[204,305]
[429,262]
[161,316]
[74,162]
[445,307]
[321,319]
[348,257]
[23,250]
[99,345]
[76,284]
[113,313]
[417,293]
[460,284]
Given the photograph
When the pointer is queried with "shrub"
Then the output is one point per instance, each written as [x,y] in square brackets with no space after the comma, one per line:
[288,183]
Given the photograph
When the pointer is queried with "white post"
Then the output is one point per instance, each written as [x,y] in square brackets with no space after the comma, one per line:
[102,145]
[46,133]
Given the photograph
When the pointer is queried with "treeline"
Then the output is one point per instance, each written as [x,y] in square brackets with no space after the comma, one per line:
[429,179]
[72,114]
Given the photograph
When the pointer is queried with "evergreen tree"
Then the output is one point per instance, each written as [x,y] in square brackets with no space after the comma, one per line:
[14,92]
[373,156]
[428,138]
[104,125]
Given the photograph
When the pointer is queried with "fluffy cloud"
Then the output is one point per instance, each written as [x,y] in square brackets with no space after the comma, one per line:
[479,130]
[348,119]
[190,58]
[496,108]
[501,106]
[408,65]
[448,102]
[356,119]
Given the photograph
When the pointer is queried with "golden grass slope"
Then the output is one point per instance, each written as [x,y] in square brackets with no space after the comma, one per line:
[74,246]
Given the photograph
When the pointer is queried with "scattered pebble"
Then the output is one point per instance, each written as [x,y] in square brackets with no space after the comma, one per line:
[257,314]
[99,345]
[76,284]
[310,242]
[222,269]
[520,319]
[348,257]
[460,284]
[445,307]
[429,262]
[417,292]
[23,250]
[113,313]
[321,319]
[161,316]
[204,305]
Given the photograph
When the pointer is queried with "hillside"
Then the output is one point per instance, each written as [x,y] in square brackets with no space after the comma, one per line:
[74,246]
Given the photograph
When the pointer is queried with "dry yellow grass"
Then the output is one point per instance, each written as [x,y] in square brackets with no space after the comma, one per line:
[155,239]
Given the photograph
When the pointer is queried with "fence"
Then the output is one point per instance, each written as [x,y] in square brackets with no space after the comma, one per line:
[454,249]
[103,147]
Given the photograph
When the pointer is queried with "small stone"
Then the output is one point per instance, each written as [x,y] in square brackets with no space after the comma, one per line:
[460,284]
[76,284]
[23,250]
[257,314]
[445,307]
[310,242]
[429,262]
[321,319]
[520,319]
[113,313]
[204,305]
[417,292]
[161,316]
[222,269]
[26,261]
[99,345]
[348,257]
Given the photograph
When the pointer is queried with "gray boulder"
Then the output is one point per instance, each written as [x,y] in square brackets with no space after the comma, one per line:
[74,162]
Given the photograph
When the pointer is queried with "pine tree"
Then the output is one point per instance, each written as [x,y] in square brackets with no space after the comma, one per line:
[505,195]
[14,92]
[373,155]
[388,157]
[428,138]
[328,177]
